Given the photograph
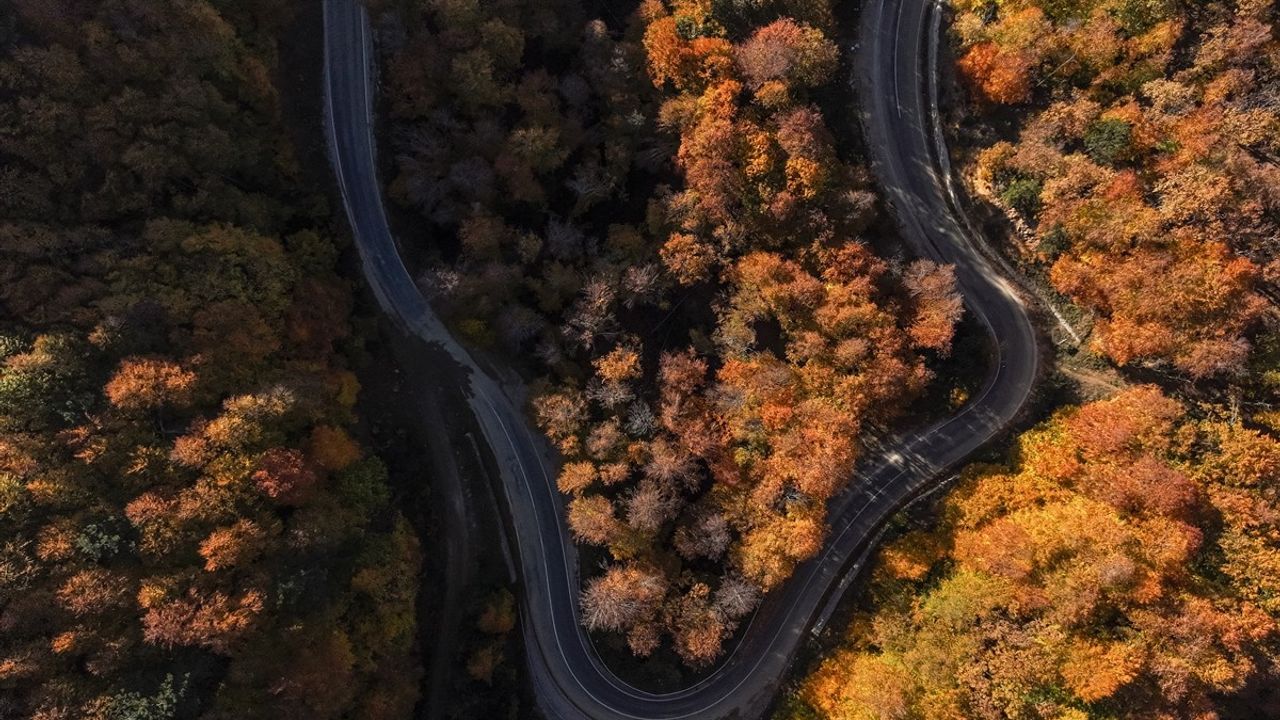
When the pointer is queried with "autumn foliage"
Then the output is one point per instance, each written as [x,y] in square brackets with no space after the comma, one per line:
[1144,167]
[999,76]
[1121,565]
[663,226]
[188,528]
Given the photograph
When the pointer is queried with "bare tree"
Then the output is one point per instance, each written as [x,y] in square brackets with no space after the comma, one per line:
[736,597]
[707,536]
[642,283]
[650,505]
[668,463]
[641,422]
[623,597]
[592,315]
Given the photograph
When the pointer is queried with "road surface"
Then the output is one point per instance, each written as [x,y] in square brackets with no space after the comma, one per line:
[568,678]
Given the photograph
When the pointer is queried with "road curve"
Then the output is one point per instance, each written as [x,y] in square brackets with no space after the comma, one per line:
[567,676]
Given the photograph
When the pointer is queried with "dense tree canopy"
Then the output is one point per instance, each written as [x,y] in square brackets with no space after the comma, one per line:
[187,526]
[1146,163]
[1122,566]
[662,219]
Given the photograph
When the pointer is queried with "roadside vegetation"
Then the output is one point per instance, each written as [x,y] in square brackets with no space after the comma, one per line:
[653,211]
[1123,564]
[189,526]
[1122,561]
[1145,160]
[645,205]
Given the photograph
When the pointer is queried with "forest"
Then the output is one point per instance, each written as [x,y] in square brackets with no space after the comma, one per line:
[1121,560]
[654,211]
[1122,564]
[1145,167]
[660,214]
[189,524]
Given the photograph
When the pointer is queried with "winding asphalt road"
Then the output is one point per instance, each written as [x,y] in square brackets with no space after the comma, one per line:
[568,678]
